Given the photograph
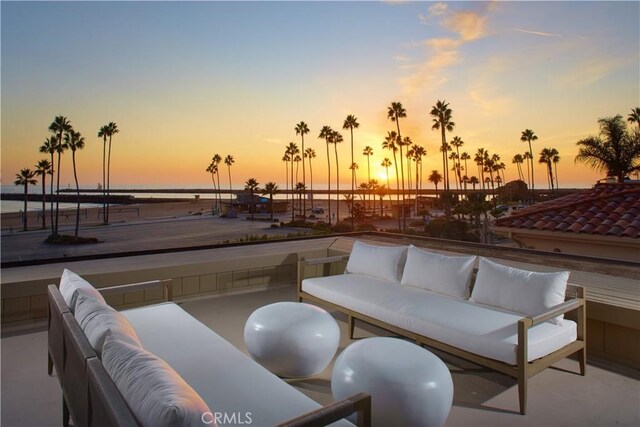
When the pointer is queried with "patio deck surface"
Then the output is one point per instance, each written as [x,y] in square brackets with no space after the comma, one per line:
[608,395]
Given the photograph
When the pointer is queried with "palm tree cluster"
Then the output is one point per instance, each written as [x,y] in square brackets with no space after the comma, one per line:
[63,137]
[616,151]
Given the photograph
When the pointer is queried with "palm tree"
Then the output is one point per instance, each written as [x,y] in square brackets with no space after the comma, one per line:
[390,143]
[394,112]
[527,136]
[368,151]
[44,168]
[229,160]
[479,160]
[634,117]
[286,159]
[556,160]
[336,138]
[212,168]
[302,129]
[350,123]
[49,146]
[518,160]
[546,157]
[435,178]
[615,151]
[75,141]
[59,127]
[300,189]
[112,129]
[386,163]
[252,186]
[442,120]
[453,156]
[310,153]
[527,157]
[103,133]
[325,133]
[457,142]
[297,159]
[25,177]
[270,188]
[292,150]
[217,159]
[474,181]
[465,156]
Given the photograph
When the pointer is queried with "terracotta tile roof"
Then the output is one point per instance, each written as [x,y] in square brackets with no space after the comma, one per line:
[605,209]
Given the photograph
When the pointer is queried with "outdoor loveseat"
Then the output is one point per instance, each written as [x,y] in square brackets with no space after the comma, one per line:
[157,365]
[506,319]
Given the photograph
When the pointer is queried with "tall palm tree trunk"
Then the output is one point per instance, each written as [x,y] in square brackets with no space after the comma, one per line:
[533,194]
[304,182]
[108,182]
[75,177]
[335,147]
[395,162]
[44,201]
[104,180]
[329,181]
[53,231]
[311,178]
[353,179]
[293,194]
[26,198]
[58,193]
[445,166]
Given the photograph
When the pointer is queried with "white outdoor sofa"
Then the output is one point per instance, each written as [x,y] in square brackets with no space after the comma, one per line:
[507,319]
[235,389]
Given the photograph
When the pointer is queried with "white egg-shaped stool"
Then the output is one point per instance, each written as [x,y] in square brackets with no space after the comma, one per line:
[409,386]
[292,339]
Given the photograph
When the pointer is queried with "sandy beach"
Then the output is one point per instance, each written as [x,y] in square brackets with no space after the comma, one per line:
[119,213]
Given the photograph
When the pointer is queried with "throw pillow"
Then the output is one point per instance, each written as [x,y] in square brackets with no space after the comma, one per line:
[98,319]
[448,275]
[525,292]
[382,262]
[154,391]
[72,285]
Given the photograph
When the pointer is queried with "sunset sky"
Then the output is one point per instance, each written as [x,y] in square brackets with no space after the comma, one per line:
[184,81]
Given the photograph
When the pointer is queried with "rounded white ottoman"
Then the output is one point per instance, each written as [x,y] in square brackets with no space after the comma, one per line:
[408,385]
[292,339]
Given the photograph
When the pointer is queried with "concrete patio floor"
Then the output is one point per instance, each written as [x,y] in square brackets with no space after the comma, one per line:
[609,395]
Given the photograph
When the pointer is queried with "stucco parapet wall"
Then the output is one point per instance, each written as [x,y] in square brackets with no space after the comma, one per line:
[194,274]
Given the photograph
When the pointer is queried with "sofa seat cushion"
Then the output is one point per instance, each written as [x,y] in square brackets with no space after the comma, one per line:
[228,381]
[478,329]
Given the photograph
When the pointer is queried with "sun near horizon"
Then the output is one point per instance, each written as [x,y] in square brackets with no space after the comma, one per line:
[184,81]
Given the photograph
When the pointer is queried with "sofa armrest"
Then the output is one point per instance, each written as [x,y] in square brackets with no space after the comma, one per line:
[303,263]
[559,309]
[167,284]
[360,403]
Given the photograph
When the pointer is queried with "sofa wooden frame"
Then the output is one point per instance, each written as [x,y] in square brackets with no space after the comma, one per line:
[522,371]
[91,398]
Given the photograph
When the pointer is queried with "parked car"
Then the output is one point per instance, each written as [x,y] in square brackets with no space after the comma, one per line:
[317,210]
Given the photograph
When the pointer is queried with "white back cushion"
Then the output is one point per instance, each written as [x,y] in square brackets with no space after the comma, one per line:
[521,291]
[154,391]
[98,320]
[382,262]
[72,285]
[448,275]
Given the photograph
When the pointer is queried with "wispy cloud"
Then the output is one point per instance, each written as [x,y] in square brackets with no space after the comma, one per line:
[441,53]
[536,33]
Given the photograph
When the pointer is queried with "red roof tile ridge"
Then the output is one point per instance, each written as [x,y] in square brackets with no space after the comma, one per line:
[553,204]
